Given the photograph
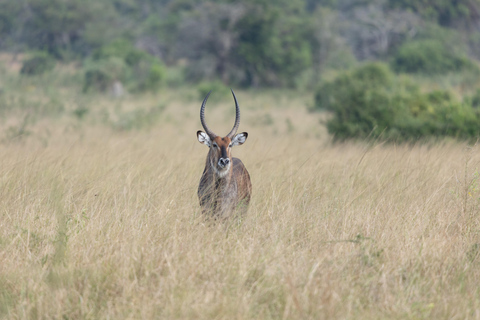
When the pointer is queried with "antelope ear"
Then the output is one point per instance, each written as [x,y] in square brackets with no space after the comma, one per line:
[239,139]
[204,138]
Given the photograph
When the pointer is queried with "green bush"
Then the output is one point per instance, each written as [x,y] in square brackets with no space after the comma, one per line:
[369,102]
[119,48]
[474,100]
[156,76]
[429,56]
[119,61]
[147,75]
[219,90]
[38,63]
[100,75]
[446,13]
[175,76]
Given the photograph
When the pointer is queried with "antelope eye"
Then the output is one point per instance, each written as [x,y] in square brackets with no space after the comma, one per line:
[215,145]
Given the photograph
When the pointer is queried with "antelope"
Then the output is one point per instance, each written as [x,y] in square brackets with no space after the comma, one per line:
[225,185]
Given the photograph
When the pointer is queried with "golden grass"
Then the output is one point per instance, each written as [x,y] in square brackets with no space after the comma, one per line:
[101,224]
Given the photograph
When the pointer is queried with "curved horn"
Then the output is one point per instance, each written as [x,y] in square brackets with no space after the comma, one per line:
[237,118]
[202,118]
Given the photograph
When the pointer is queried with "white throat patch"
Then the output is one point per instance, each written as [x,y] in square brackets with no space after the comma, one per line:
[221,173]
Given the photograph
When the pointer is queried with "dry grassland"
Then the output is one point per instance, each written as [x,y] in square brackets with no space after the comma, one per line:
[98,223]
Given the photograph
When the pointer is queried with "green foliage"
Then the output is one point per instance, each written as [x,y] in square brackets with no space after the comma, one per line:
[294,49]
[250,43]
[121,61]
[219,90]
[443,12]
[101,74]
[58,26]
[156,75]
[119,48]
[9,15]
[38,63]
[80,112]
[474,100]
[368,102]
[430,57]
[369,77]
[174,76]
[274,47]
[341,60]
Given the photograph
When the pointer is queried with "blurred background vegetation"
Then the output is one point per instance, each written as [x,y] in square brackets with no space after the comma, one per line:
[389,69]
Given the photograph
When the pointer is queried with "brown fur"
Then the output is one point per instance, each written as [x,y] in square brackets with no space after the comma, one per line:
[223,193]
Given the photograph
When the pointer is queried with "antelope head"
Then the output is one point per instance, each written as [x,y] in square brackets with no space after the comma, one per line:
[219,157]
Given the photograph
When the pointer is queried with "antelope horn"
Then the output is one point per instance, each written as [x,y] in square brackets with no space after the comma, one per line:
[237,118]
[202,118]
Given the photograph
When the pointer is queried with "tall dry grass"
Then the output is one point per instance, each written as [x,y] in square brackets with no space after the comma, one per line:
[101,224]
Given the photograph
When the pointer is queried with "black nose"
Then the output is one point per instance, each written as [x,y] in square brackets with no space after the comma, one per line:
[223,162]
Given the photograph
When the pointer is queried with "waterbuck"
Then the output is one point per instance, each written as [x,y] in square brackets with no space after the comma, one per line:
[225,185]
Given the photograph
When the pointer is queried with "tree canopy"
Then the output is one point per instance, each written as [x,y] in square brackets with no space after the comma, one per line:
[248,43]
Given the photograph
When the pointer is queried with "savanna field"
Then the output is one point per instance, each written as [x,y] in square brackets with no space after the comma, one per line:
[100,217]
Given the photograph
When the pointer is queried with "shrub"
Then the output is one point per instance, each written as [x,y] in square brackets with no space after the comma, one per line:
[100,75]
[38,63]
[147,75]
[429,56]
[156,75]
[175,76]
[369,103]
[474,100]
[360,101]
[119,48]
[219,90]
[120,61]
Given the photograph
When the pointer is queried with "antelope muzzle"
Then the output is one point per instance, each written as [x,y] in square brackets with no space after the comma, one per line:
[224,159]
[223,163]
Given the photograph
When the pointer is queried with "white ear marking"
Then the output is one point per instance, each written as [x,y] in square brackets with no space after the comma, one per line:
[239,139]
[204,138]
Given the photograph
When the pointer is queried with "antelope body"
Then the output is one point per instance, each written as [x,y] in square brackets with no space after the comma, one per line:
[225,185]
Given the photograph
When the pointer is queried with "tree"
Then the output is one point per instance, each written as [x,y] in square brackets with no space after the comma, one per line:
[375,29]
[463,14]
[207,37]
[251,43]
